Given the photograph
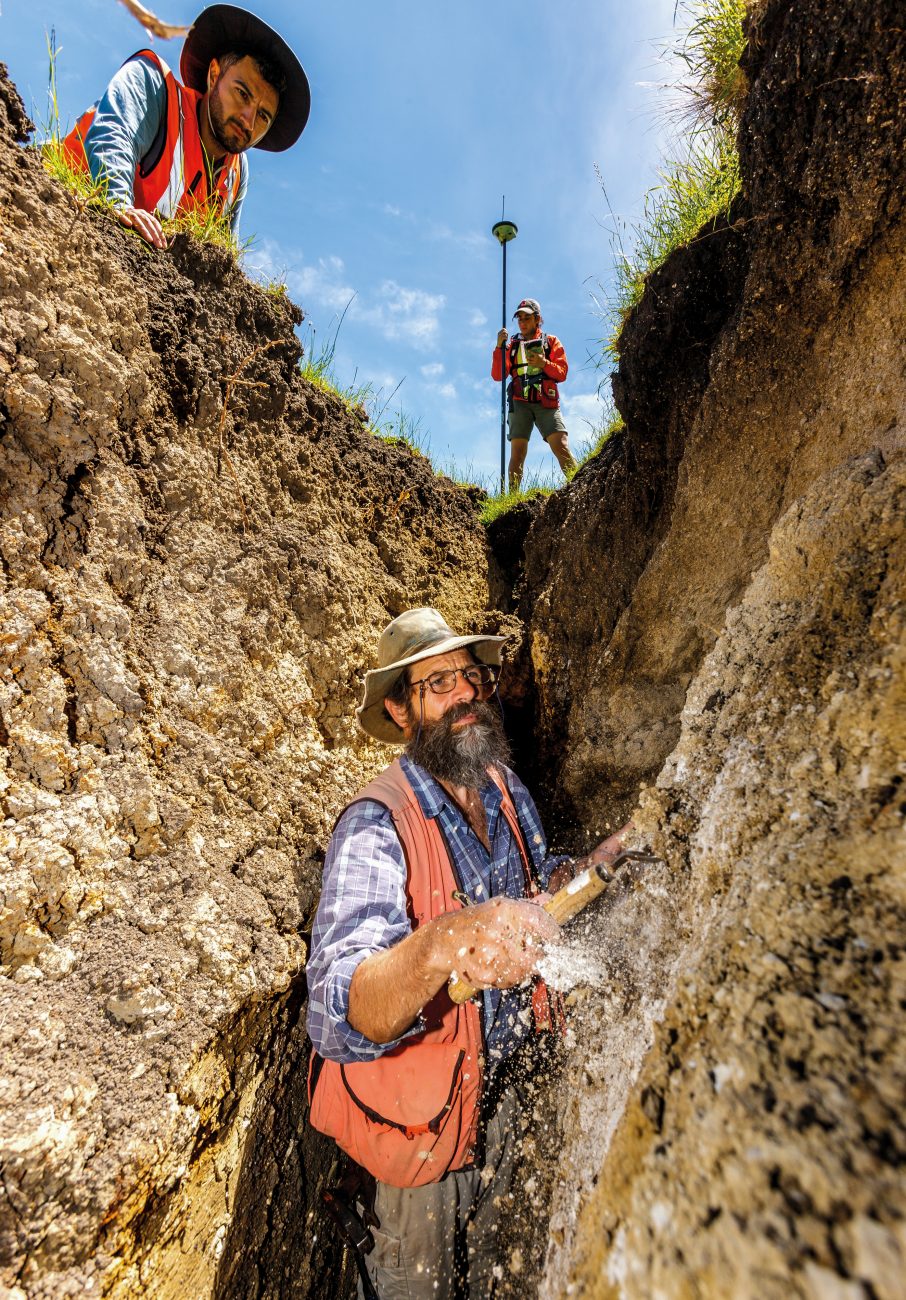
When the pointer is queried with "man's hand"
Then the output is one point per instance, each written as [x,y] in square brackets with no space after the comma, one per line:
[496,944]
[492,945]
[502,337]
[607,851]
[145,223]
[610,848]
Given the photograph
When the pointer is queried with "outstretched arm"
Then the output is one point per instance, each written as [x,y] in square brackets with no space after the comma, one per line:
[606,851]
[124,127]
[492,945]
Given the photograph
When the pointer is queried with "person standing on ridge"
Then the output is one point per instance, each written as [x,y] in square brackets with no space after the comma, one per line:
[160,147]
[536,363]
[433,868]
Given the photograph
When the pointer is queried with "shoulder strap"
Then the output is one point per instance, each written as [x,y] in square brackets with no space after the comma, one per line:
[390,787]
[156,148]
[508,808]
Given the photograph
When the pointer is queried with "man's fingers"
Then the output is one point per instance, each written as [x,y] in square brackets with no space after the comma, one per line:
[145,224]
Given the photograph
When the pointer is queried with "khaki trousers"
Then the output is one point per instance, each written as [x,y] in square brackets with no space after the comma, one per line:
[428,1233]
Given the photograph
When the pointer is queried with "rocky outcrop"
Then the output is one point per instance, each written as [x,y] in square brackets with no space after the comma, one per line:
[197,552]
[758,359]
[738,1126]
[715,617]
[197,549]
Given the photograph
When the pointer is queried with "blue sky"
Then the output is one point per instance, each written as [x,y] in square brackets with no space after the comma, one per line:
[422,118]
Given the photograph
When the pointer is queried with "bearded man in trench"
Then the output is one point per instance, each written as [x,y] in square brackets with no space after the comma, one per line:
[435,872]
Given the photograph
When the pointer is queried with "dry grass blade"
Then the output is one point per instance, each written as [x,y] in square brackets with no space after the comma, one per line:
[151,23]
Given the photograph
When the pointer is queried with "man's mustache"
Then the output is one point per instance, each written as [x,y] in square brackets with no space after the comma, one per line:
[465,709]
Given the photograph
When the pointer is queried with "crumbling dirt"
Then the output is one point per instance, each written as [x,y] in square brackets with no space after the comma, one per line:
[759,358]
[198,552]
[714,618]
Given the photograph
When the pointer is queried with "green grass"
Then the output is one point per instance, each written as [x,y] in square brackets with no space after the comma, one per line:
[317,366]
[611,423]
[399,427]
[364,400]
[208,226]
[715,84]
[86,191]
[697,186]
[499,503]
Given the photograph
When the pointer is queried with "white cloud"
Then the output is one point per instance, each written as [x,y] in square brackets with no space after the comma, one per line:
[581,411]
[472,240]
[433,371]
[265,261]
[391,210]
[401,314]
[477,319]
[322,283]
[447,391]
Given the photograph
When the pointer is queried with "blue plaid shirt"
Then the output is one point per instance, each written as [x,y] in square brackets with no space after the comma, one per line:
[363,907]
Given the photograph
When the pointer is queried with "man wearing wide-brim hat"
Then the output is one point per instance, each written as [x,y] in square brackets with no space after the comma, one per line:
[433,874]
[156,146]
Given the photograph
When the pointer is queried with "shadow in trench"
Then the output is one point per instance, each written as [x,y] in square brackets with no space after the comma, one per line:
[279,1245]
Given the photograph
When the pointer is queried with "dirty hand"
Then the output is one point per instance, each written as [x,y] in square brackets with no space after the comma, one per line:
[501,338]
[145,223]
[496,944]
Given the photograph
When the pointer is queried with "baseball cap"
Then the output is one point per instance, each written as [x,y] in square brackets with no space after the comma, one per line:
[528,304]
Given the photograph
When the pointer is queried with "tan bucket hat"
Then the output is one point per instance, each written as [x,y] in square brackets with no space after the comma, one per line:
[415,634]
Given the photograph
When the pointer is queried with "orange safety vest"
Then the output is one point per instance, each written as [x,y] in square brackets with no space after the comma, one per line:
[172,177]
[412,1115]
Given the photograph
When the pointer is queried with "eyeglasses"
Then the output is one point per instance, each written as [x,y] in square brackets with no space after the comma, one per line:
[481,676]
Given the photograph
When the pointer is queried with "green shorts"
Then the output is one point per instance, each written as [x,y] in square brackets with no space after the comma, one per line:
[525,415]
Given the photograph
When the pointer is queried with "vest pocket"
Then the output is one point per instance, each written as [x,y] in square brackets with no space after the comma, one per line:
[407,1117]
[413,1096]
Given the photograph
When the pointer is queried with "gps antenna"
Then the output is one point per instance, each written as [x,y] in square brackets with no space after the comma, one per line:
[503,231]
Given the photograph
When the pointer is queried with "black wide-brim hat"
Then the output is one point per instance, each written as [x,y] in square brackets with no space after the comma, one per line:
[220,29]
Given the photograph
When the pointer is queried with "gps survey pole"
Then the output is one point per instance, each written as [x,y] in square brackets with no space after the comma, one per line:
[503,231]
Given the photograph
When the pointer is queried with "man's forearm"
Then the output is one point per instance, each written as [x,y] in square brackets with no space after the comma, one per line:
[389,988]
[490,945]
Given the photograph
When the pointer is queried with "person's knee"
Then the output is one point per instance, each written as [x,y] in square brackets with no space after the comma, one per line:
[518,451]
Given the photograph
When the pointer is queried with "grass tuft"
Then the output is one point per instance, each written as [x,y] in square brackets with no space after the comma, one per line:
[86,191]
[499,503]
[208,226]
[611,423]
[697,186]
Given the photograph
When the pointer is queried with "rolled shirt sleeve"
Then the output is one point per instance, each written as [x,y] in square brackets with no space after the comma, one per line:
[362,911]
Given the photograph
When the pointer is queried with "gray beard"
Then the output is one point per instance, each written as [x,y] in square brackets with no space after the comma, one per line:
[463,756]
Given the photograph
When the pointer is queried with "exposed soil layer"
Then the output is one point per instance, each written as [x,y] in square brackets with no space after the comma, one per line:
[197,552]
[714,616]
[758,358]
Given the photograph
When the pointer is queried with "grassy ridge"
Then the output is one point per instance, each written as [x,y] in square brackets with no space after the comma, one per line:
[699,184]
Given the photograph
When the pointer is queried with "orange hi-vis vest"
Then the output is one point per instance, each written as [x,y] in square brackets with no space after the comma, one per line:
[173,176]
[412,1115]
